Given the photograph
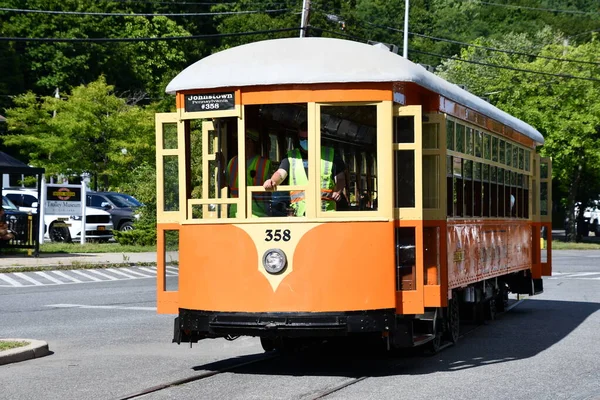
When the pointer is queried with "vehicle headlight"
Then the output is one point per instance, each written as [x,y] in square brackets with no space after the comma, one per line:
[274,261]
[76,217]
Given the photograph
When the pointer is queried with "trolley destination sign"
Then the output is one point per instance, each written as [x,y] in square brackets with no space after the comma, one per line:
[209,102]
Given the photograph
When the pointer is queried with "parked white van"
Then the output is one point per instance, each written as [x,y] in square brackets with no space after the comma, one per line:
[64,228]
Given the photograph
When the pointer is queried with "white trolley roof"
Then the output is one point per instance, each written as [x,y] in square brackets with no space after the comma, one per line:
[325,60]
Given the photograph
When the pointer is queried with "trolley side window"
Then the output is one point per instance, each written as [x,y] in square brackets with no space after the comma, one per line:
[348,158]
[487,176]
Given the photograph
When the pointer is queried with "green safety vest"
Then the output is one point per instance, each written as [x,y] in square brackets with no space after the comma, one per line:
[262,166]
[298,177]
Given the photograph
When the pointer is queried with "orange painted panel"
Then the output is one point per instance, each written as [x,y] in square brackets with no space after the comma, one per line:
[326,92]
[434,296]
[480,250]
[166,302]
[336,267]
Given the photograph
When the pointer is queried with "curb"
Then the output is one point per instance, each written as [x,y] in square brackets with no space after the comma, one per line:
[35,349]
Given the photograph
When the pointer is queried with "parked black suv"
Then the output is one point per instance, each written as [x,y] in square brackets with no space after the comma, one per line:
[18,221]
[122,207]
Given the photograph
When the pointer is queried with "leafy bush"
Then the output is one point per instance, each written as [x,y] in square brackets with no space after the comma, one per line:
[143,187]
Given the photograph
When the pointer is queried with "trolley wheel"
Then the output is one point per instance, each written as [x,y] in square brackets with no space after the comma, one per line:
[433,346]
[453,320]
[268,344]
[502,299]
[491,309]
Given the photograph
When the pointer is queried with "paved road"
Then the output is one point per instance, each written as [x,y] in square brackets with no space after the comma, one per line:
[108,341]
[73,277]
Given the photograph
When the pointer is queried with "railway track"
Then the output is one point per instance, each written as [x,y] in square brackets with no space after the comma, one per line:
[261,358]
[178,382]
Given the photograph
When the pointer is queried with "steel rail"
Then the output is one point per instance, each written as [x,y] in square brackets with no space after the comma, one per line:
[268,356]
[197,377]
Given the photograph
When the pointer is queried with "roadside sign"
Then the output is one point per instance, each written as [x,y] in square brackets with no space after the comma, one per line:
[63,200]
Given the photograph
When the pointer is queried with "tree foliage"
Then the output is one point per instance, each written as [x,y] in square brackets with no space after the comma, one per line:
[565,111]
[90,131]
[104,123]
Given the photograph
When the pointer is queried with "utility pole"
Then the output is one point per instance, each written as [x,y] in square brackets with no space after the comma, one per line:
[305,16]
[56,96]
[405,47]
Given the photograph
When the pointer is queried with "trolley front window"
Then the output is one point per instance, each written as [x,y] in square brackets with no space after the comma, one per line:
[301,160]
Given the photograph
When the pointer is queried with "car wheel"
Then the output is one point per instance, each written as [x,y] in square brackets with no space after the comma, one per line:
[59,234]
[126,226]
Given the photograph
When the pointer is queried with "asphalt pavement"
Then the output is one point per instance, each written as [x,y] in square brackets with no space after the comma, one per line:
[39,348]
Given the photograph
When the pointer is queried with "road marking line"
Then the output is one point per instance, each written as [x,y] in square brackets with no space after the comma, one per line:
[115,271]
[136,273]
[583,274]
[87,276]
[10,280]
[101,307]
[148,270]
[60,273]
[50,278]
[28,278]
[112,278]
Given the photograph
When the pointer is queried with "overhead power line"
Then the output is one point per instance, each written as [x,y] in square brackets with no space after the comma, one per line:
[190,3]
[143,39]
[505,66]
[489,3]
[513,52]
[565,76]
[519,53]
[168,2]
[99,14]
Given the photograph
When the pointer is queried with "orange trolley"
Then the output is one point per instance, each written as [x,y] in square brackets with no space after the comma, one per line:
[442,207]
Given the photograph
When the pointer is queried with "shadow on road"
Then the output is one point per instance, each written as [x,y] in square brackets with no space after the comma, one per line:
[527,330]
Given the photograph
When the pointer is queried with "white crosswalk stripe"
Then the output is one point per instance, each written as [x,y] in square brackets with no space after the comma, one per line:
[50,278]
[75,277]
[148,270]
[90,277]
[28,278]
[112,278]
[576,275]
[136,273]
[10,280]
[66,276]
[116,271]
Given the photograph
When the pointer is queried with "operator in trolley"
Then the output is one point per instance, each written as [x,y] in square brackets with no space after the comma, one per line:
[258,169]
[295,168]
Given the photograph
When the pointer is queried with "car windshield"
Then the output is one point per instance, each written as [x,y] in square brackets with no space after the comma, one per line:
[131,201]
[8,205]
[118,200]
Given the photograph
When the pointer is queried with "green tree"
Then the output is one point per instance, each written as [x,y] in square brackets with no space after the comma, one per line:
[89,131]
[564,110]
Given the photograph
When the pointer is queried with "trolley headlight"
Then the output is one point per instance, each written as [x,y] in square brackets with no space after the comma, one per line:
[274,261]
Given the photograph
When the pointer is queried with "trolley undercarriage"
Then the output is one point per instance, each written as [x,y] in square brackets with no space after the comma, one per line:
[478,302]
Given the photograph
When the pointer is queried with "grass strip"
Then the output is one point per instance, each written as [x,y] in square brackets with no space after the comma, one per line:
[11,344]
